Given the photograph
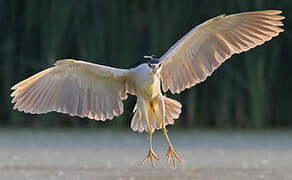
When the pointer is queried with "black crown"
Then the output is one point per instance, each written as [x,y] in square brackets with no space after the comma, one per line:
[151,59]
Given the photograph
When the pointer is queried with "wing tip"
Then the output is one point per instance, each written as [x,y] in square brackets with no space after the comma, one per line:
[272,12]
[13,87]
[16,86]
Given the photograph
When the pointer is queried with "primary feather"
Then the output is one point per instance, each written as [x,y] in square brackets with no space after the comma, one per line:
[75,87]
[194,57]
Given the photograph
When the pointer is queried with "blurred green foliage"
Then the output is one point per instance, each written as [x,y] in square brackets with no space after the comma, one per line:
[250,90]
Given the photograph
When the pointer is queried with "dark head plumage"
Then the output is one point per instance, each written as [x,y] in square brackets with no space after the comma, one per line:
[151,59]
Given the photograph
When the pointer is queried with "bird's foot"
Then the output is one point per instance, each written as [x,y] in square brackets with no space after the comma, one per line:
[171,155]
[152,156]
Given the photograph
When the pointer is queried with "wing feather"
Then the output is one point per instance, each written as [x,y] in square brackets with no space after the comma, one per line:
[77,88]
[208,45]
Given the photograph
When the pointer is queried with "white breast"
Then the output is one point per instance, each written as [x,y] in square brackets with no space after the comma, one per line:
[147,84]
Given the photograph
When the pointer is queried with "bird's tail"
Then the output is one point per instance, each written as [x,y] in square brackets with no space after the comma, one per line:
[172,111]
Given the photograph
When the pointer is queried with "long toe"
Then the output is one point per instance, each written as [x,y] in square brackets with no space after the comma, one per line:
[171,156]
[151,155]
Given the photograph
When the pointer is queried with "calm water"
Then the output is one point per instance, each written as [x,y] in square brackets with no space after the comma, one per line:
[113,154]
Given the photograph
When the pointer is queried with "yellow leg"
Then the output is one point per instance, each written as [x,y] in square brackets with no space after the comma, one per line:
[171,154]
[151,154]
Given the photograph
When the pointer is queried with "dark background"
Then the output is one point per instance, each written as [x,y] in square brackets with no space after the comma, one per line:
[251,90]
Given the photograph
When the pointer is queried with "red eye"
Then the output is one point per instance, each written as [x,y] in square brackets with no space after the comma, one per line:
[159,65]
[149,65]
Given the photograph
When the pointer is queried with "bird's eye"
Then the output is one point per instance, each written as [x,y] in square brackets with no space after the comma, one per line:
[149,65]
[159,65]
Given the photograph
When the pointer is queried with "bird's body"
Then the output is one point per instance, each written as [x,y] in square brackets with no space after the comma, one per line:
[151,100]
[95,91]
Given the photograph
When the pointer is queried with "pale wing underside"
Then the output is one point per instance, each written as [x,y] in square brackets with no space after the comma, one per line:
[194,57]
[77,88]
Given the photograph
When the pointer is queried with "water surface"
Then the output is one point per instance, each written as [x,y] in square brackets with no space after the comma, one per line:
[114,154]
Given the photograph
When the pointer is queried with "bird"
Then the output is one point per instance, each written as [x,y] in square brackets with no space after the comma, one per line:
[85,89]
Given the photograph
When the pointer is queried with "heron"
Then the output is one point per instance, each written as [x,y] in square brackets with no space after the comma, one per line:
[85,89]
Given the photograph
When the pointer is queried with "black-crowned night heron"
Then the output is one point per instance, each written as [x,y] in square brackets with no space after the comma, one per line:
[89,90]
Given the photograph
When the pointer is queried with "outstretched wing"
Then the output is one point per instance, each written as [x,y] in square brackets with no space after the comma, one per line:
[75,87]
[194,57]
